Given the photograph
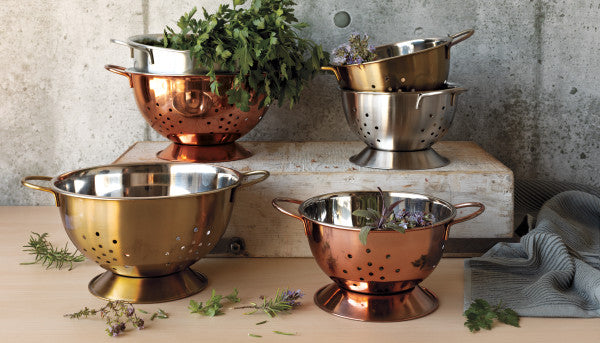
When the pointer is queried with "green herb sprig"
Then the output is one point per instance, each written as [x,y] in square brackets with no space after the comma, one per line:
[284,301]
[49,255]
[260,45]
[213,306]
[481,315]
[116,313]
[387,219]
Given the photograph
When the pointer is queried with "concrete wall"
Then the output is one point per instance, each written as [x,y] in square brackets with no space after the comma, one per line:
[531,68]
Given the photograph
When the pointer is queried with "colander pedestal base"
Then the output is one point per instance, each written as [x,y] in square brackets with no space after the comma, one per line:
[147,290]
[397,307]
[204,153]
[399,160]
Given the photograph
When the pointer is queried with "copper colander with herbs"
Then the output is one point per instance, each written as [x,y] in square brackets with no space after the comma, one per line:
[379,280]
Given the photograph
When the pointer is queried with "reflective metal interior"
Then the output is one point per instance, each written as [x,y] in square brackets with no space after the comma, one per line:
[150,180]
[408,47]
[336,209]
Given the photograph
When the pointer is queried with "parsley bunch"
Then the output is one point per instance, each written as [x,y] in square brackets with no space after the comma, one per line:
[260,45]
[213,306]
[481,315]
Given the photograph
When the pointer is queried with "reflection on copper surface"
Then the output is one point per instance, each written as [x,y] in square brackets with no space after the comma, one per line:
[386,272]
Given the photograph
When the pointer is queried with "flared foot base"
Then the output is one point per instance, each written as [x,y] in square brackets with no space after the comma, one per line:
[397,307]
[147,290]
[399,160]
[204,153]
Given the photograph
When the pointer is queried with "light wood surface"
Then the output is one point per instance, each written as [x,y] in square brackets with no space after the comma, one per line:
[302,170]
[33,301]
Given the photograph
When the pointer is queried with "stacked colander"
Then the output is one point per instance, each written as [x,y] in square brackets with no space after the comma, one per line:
[401,102]
[175,98]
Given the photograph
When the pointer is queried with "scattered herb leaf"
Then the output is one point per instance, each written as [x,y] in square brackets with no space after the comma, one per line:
[142,311]
[160,314]
[49,255]
[116,313]
[284,301]
[261,323]
[285,333]
[253,335]
[481,315]
[213,306]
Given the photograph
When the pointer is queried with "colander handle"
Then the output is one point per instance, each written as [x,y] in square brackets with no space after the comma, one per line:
[24,182]
[132,46]
[467,217]
[454,91]
[119,71]
[463,35]
[276,202]
[334,70]
[265,174]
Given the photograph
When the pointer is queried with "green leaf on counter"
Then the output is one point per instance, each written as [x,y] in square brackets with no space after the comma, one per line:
[481,315]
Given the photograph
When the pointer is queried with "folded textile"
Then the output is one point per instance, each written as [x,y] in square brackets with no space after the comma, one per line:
[554,271]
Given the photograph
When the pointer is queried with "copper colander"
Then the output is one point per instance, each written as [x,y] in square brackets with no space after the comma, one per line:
[378,281]
[183,109]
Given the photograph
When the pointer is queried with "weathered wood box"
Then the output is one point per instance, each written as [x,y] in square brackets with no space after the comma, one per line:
[305,169]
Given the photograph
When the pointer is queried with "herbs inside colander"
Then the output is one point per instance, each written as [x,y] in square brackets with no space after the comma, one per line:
[388,219]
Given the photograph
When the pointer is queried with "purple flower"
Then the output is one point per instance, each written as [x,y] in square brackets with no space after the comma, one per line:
[291,297]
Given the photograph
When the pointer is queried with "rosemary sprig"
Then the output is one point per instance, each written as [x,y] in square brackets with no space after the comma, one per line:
[49,255]
[116,314]
[283,301]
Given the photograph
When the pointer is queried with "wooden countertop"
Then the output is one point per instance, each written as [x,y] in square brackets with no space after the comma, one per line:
[33,301]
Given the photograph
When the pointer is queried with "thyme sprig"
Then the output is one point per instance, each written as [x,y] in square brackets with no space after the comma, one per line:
[49,255]
[284,301]
[116,313]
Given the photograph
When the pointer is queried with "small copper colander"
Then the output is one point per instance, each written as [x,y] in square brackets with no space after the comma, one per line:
[182,108]
[378,281]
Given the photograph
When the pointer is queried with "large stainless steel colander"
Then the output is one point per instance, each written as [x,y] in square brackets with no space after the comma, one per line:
[399,122]
[146,223]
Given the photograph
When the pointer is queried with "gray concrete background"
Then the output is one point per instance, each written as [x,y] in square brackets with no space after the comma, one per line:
[531,68]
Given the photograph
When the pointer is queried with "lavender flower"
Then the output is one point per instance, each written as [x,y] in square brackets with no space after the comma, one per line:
[356,51]
[291,297]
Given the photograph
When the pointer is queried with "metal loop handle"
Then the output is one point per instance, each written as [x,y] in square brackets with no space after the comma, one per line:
[24,182]
[280,209]
[455,91]
[469,216]
[134,46]
[119,71]
[465,34]
[265,174]
[334,70]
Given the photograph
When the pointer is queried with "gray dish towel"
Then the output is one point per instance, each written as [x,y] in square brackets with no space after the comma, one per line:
[554,271]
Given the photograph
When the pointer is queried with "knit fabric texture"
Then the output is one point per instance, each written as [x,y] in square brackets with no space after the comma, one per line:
[554,271]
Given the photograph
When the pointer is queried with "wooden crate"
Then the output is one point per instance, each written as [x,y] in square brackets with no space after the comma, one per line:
[302,170]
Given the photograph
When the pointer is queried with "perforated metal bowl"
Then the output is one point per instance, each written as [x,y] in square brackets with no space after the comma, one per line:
[146,222]
[400,121]
[377,281]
